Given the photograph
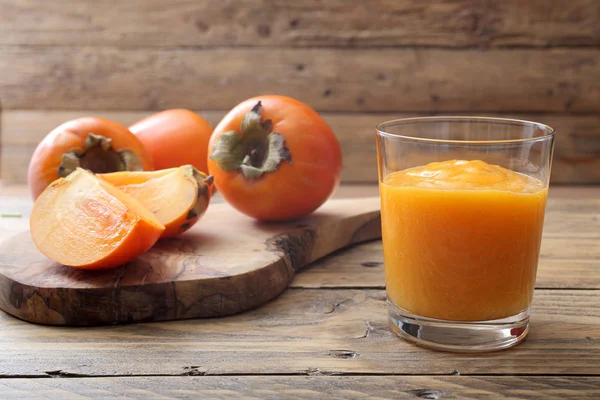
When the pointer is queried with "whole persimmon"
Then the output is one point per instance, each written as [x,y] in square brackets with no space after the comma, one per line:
[175,138]
[95,144]
[274,158]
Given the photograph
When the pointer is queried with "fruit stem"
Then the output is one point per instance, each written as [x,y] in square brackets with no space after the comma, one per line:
[255,151]
[11,215]
[98,156]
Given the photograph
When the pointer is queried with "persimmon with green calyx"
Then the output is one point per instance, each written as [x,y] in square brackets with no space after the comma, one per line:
[274,158]
[178,197]
[95,144]
[85,222]
[175,138]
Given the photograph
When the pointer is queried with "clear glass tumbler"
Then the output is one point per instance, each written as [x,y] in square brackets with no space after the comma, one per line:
[462,210]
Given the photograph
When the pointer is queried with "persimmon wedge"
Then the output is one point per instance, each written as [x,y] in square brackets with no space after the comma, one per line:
[85,222]
[178,197]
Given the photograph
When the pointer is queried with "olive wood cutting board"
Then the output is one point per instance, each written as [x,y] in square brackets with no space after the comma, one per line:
[225,264]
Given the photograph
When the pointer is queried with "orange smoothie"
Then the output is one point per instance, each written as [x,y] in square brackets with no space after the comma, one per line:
[461,239]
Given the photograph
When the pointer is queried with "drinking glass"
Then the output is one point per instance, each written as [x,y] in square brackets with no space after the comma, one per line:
[462,210]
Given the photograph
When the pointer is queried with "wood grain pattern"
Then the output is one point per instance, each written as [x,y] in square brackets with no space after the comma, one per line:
[362,267]
[307,387]
[455,23]
[576,158]
[321,332]
[569,218]
[225,264]
[15,198]
[361,80]
[304,331]
[570,254]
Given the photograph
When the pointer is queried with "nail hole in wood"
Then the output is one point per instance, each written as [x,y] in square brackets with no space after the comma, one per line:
[371,264]
[428,394]
[201,26]
[344,354]
[264,30]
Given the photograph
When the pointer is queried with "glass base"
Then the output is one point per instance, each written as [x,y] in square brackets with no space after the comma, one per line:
[459,336]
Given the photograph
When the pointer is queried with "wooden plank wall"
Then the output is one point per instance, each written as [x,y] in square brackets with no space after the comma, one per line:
[357,62]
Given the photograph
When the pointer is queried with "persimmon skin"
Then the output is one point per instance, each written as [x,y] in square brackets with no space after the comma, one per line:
[47,157]
[296,188]
[175,138]
[84,222]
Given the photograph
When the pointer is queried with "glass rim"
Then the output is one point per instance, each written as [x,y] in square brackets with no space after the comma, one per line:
[547,129]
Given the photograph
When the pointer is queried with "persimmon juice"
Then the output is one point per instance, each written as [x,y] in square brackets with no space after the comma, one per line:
[461,239]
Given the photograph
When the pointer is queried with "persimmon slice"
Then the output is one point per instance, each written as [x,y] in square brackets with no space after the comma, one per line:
[178,197]
[84,222]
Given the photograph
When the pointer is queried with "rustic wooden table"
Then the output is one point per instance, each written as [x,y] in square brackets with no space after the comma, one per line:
[325,337]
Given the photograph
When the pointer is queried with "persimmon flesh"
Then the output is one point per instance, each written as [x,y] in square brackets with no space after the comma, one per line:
[178,197]
[84,222]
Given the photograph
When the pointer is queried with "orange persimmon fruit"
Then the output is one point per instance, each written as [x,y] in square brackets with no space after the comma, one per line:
[175,138]
[274,158]
[85,222]
[96,144]
[178,197]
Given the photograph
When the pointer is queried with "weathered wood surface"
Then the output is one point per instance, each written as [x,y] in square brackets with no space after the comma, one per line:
[576,158]
[327,329]
[570,255]
[309,387]
[16,199]
[304,331]
[225,264]
[455,23]
[362,267]
[361,80]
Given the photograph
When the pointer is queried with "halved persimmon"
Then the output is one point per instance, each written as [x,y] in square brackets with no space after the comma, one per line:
[85,222]
[178,197]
